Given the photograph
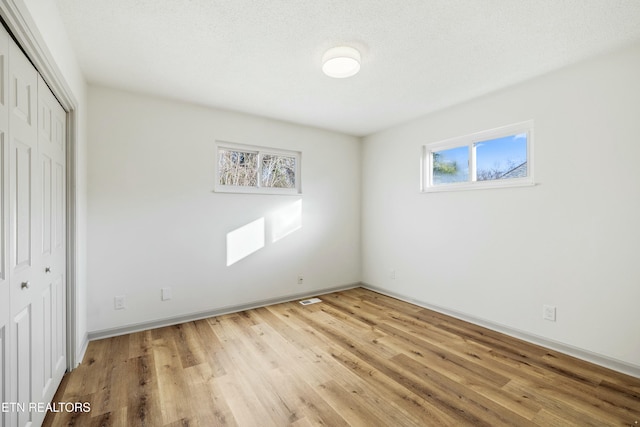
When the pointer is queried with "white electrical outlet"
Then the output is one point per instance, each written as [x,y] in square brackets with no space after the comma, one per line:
[392,274]
[165,294]
[300,280]
[118,303]
[549,312]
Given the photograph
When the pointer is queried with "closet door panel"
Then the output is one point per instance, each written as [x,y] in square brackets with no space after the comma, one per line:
[5,299]
[51,247]
[59,331]
[47,195]
[22,204]
[23,351]
[27,288]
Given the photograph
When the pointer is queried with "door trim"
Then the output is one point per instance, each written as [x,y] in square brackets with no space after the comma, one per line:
[20,24]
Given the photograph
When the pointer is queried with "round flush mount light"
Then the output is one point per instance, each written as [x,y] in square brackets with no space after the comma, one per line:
[340,62]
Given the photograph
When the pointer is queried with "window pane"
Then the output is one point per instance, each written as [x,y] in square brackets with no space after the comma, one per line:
[278,171]
[450,166]
[237,168]
[501,158]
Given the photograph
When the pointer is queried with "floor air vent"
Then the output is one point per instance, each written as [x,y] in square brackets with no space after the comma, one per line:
[310,301]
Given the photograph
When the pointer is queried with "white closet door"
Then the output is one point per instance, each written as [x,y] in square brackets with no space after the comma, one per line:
[5,307]
[27,307]
[32,231]
[51,152]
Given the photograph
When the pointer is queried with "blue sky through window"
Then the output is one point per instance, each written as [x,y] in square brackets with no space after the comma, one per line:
[494,158]
[501,153]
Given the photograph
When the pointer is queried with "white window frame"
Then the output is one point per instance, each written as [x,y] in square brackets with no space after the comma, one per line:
[260,151]
[427,185]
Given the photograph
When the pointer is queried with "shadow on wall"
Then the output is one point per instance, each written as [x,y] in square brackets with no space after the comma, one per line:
[251,237]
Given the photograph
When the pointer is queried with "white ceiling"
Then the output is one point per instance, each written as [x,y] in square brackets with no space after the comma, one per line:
[263,57]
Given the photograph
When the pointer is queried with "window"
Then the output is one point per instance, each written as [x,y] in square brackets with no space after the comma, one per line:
[495,158]
[248,169]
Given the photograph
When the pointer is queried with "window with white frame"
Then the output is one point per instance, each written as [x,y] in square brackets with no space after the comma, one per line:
[500,157]
[251,169]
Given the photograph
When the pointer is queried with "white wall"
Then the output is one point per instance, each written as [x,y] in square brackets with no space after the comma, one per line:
[48,23]
[154,221]
[498,255]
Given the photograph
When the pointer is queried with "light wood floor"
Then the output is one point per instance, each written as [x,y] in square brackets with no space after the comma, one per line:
[358,358]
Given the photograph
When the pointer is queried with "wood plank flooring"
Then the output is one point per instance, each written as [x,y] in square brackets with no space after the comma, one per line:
[356,359]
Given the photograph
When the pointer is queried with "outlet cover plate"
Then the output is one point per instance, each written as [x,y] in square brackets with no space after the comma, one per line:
[549,312]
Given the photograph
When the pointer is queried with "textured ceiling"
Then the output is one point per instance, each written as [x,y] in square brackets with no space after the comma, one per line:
[263,57]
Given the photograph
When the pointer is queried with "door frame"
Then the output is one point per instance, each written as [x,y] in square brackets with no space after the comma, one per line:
[20,24]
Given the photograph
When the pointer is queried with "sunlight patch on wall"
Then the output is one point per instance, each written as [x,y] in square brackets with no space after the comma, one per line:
[286,221]
[244,241]
[252,237]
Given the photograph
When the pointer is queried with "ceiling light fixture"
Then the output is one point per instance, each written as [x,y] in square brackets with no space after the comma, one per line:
[340,62]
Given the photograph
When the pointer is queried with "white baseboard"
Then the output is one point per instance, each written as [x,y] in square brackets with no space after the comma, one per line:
[598,359]
[159,323]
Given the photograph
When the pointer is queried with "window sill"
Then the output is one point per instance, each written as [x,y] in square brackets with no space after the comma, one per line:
[478,186]
[253,190]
